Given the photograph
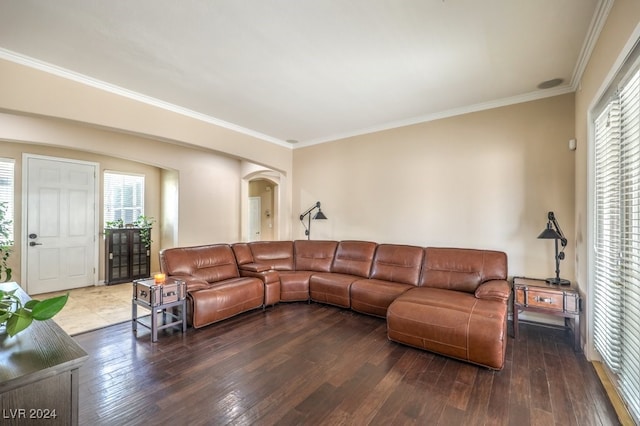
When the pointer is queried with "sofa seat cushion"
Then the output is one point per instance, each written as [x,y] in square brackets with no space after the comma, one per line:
[374,296]
[223,300]
[452,323]
[334,289]
[294,285]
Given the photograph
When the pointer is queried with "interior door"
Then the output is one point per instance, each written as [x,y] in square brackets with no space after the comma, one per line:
[255,224]
[60,240]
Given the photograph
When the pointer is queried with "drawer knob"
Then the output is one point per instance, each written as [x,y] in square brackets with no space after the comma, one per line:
[543,299]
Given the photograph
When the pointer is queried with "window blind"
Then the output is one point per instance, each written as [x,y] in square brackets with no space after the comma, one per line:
[630,243]
[607,291]
[616,316]
[6,195]
[123,197]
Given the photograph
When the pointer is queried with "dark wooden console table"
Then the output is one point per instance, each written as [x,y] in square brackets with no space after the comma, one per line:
[39,374]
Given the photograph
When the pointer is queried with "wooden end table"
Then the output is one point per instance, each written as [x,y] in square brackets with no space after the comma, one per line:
[537,295]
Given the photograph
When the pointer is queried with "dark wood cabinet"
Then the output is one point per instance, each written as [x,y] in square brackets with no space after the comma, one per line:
[127,257]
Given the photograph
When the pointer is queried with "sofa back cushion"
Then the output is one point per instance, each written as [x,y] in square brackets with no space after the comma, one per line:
[354,258]
[210,263]
[462,269]
[397,263]
[277,254]
[312,255]
[243,253]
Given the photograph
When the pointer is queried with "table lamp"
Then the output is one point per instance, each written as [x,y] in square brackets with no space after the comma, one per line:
[553,232]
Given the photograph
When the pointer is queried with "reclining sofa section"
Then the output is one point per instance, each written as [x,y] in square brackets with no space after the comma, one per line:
[445,300]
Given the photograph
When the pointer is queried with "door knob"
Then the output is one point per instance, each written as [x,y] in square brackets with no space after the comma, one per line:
[33,243]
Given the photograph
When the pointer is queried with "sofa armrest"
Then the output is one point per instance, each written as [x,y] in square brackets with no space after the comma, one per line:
[193,284]
[254,267]
[271,280]
[498,290]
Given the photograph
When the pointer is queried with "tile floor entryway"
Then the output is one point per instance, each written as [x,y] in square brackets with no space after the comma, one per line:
[89,308]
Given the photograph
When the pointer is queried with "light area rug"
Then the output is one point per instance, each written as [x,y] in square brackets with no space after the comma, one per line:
[94,307]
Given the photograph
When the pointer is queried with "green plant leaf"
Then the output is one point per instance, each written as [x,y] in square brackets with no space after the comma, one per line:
[31,303]
[20,320]
[4,316]
[46,309]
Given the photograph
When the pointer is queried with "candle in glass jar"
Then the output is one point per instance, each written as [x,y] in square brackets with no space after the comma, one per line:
[159,278]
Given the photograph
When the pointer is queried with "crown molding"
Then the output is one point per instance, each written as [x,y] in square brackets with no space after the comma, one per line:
[117,90]
[597,23]
[533,96]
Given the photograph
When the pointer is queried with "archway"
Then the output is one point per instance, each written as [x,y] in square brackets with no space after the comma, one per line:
[261,205]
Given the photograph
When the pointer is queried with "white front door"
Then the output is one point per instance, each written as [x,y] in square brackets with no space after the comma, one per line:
[60,238]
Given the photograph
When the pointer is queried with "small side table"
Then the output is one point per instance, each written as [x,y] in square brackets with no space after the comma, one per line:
[167,301]
[537,295]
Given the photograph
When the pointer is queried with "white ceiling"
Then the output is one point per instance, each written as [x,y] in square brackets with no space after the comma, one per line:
[310,71]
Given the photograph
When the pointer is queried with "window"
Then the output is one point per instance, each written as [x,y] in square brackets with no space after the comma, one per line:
[616,268]
[123,197]
[6,196]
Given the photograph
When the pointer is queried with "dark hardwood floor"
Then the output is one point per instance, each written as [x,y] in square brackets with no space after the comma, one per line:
[314,364]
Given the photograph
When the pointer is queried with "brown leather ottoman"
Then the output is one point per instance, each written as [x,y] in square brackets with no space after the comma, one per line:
[451,323]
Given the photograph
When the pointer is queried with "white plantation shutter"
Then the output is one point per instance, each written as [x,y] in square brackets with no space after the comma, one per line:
[6,193]
[617,239]
[123,197]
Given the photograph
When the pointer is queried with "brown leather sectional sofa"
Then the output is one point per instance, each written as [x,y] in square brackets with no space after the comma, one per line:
[446,300]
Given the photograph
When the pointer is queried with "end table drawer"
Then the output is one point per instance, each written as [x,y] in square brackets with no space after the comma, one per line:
[540,299]
[551,300]
[147,291]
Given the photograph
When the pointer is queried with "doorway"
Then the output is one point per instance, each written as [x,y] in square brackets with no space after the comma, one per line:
[59,249]
[261,205]
[255,222]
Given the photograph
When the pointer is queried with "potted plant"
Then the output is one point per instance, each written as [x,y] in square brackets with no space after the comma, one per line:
[145,223]
[114,224]
[14,315]
[6,244]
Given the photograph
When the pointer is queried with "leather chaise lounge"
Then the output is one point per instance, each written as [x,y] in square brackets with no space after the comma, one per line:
[445,300]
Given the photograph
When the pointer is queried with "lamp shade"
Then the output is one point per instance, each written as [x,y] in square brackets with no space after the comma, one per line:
[319,215]
[550,234]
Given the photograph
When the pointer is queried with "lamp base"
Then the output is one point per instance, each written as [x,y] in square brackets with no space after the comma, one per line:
[558,281]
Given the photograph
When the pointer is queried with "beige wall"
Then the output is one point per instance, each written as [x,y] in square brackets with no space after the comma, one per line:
[481,180]
[616,38]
